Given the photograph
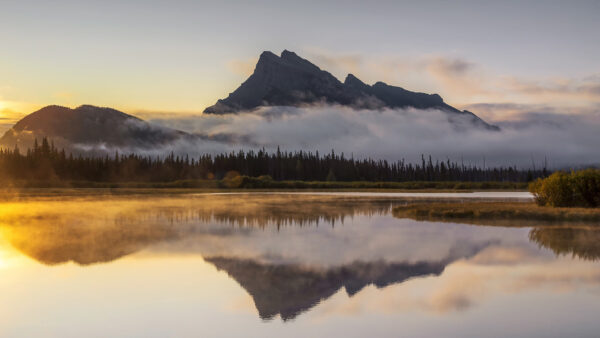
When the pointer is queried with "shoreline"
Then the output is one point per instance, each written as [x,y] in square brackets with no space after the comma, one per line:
[494,213]
[252,183]
[401,196]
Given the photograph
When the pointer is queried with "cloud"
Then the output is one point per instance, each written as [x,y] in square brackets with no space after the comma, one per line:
[458,67]
[462,81]
[400,133]
[457,78]
[8,118]
[500,112]
[395,70]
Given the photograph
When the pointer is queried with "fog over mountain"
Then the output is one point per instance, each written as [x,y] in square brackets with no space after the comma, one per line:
[393,134]
[87,125]
[291,104]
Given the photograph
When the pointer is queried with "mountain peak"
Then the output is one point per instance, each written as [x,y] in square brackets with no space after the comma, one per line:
[381,84]
[286,80]
[288,54]
[351,78]
[87,107]
[269,62]
[290,80]
[292,58]
[267,55]
[354,82]
[266,58]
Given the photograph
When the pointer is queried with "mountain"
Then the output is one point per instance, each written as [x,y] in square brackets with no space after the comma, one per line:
[286,80]
[87,125]
[289,80]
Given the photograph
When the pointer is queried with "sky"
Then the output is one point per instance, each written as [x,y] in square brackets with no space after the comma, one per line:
[147,57]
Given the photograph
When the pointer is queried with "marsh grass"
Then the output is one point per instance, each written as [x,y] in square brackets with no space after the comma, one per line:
[495,213]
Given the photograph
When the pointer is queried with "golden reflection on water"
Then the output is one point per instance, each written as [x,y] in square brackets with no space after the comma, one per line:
[102,229]
[291,252]
[88,231]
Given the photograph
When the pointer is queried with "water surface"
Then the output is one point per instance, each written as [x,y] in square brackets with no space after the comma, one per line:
[280,264]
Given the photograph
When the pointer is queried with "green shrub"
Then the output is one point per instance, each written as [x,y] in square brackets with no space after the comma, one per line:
[535,187]
[577,189]
[586,187]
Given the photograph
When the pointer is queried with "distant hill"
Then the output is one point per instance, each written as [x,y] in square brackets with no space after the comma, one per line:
[286,80]
[289,80]
[87,125]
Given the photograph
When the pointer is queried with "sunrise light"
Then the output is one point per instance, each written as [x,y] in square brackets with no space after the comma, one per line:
[300,168]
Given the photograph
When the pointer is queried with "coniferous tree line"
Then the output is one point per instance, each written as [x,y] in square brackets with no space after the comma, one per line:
[46,162]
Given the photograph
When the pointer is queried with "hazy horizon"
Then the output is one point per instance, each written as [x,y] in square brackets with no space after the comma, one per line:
[532,68]
[180,58]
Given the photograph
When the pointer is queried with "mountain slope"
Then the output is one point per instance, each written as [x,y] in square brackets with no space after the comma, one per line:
[87,125]
[289,80]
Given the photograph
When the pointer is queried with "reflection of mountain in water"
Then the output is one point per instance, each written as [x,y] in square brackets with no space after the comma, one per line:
[57,244]
[278,288]
[262,241]
[289,290]
[579,242]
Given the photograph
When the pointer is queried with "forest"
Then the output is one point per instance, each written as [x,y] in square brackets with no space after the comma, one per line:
[44,162]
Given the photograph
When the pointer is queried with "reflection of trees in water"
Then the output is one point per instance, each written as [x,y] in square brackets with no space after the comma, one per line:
[581,239]
[579,242]
[84,233]
[88,234]
[276,212]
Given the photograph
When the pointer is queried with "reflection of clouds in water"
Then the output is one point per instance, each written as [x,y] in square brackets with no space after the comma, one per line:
[334,231]
[469,283]
[510,255]
[266,243]
[292,252]
[361,238]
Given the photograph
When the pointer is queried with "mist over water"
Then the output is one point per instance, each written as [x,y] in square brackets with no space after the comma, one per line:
[394,134]
[250,264]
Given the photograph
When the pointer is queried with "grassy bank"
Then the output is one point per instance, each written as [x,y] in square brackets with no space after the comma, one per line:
[245,182]
[494,213]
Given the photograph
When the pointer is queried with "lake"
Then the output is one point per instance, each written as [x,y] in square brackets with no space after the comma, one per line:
[286,265]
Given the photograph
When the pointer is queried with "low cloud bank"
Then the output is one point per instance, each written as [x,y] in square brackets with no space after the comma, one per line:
[565,140]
